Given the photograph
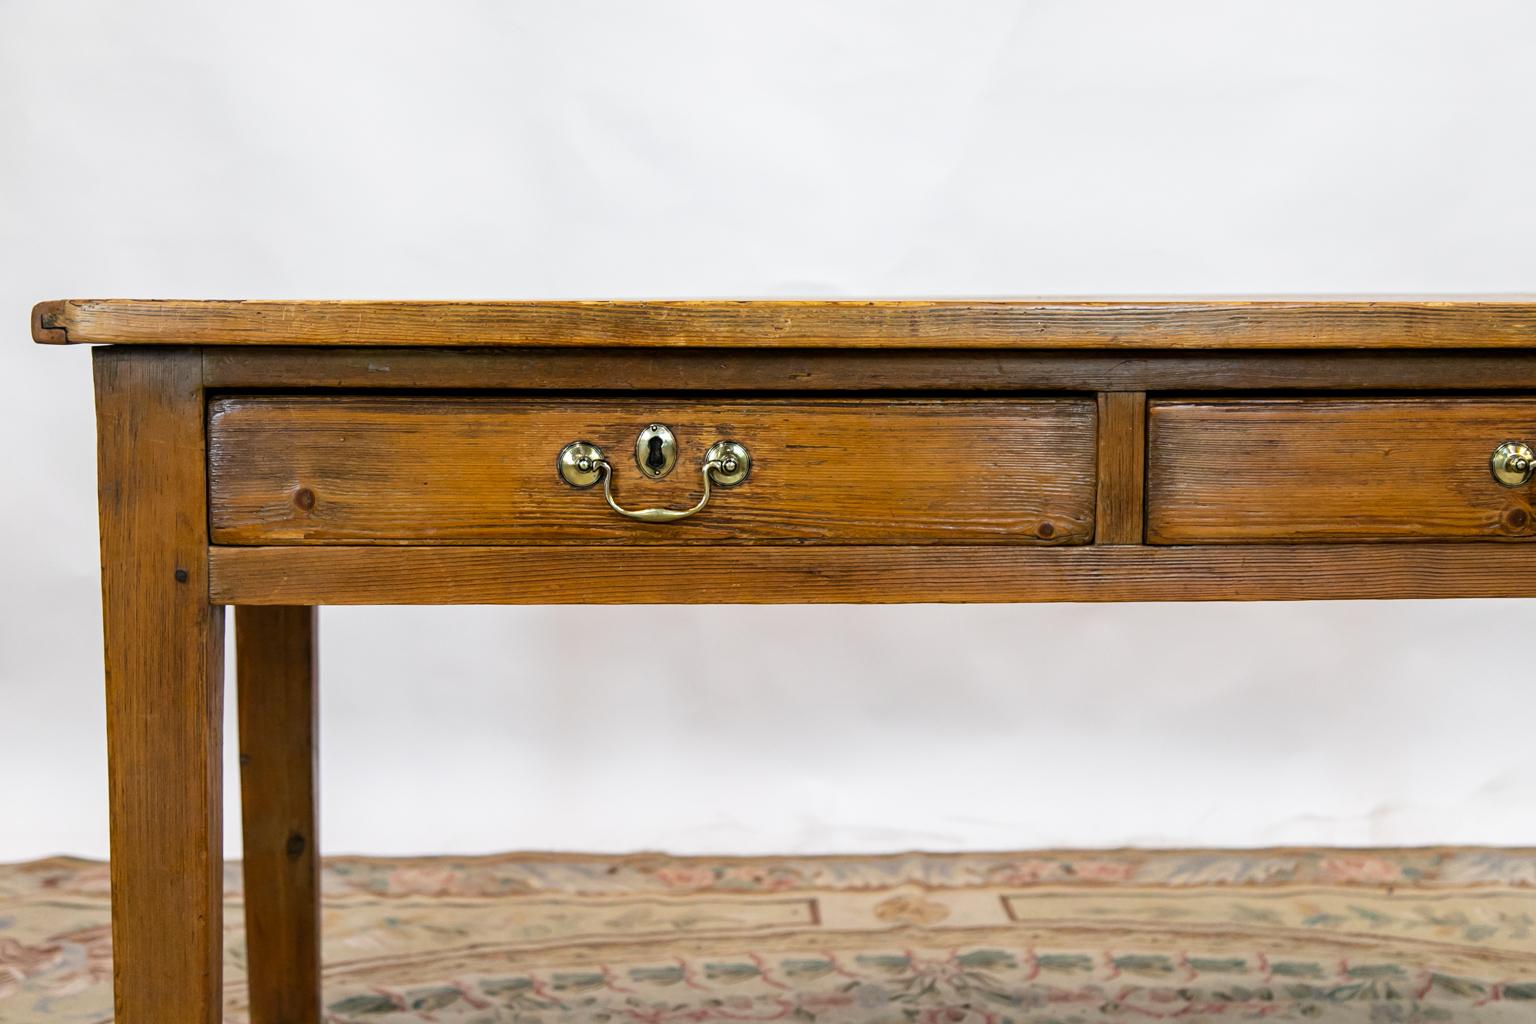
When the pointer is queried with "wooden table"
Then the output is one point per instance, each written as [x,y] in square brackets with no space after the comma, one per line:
[276,456]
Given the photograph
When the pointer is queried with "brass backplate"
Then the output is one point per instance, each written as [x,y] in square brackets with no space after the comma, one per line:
[733,463]
[1512,463]
[578,464]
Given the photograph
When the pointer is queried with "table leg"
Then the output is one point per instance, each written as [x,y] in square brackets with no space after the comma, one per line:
[165,674]
[275,669]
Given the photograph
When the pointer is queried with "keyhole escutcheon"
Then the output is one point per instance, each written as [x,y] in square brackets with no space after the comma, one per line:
[656,450]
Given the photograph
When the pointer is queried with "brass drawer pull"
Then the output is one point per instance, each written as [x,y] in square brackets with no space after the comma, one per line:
[583,464]
[1512,463]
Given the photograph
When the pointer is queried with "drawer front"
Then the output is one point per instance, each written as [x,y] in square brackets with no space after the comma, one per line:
[1334,469]
[287,470]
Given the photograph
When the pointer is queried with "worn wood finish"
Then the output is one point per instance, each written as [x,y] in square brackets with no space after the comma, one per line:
[1335,469]
[468,470]
[1122,457]
[403,453]
[164,668]
[600,370]
[880,574]
[276,659]
[1050,323]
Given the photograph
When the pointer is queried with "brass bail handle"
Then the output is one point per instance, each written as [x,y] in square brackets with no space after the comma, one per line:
[582,464]
[1512,464]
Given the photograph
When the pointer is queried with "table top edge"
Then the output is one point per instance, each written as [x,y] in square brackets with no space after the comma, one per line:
[1192,322]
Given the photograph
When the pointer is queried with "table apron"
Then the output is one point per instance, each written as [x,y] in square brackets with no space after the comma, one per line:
[876,574]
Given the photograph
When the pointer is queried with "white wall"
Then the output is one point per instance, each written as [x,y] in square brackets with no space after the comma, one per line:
[786,148]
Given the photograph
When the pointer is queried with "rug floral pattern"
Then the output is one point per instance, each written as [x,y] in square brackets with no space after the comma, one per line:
[1377,937]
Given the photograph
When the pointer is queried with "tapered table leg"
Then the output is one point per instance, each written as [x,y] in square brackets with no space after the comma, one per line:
[275,665]
[164,668]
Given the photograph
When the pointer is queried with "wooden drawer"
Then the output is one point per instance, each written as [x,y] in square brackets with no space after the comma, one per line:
[1310,469]
[350,469]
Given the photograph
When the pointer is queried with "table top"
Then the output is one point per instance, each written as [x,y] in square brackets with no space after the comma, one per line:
[1381,322]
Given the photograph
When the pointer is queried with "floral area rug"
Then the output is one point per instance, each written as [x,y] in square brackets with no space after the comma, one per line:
[1024,938]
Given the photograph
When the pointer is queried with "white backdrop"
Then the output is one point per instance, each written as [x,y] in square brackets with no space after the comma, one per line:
[786,148]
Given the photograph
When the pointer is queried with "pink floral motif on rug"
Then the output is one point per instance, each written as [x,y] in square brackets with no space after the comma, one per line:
[1378,937]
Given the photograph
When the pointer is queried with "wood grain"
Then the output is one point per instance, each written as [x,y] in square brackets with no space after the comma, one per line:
[607,370]
[883,574]
[277,666]
[1065,323]
[475,470]
[1122,462]
[971,487]
[164,668]
[1334,469]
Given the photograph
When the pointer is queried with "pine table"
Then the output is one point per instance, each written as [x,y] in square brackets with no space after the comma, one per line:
[277,456]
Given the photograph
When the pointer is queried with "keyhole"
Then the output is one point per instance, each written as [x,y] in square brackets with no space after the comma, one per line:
[655,458]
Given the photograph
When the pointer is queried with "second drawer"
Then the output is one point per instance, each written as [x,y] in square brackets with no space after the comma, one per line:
[483,470]
[1326,469]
